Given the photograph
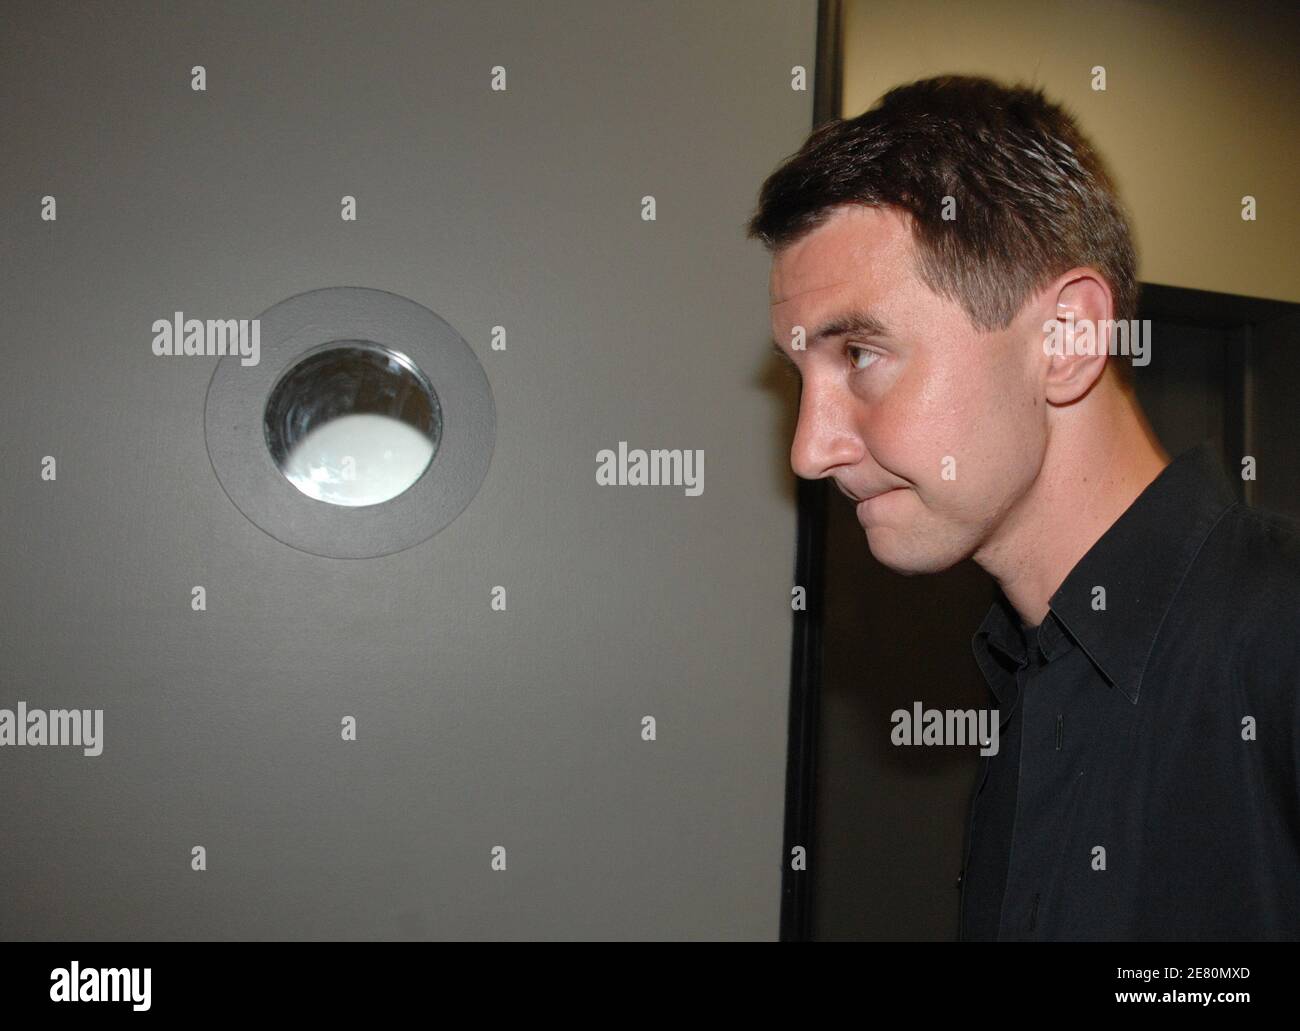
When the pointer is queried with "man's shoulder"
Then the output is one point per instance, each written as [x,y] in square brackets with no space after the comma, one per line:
[1255,552]
[1248,581]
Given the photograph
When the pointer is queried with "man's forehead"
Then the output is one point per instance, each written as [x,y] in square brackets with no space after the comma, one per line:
[813,292]
[836,255]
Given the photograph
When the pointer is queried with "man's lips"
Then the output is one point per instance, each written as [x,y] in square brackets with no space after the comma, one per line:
[875,504]
[879,494]
[858,499]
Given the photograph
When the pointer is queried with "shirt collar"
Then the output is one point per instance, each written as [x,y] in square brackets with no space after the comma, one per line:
[1003,631]
[1007,643]
[1139,562]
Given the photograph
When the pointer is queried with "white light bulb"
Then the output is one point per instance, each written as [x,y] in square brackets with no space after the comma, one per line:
[358,459]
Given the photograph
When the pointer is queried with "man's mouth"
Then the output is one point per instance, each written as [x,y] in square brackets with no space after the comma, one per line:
[858,500]
[871,501]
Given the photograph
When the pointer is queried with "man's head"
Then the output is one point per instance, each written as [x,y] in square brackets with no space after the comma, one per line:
[921,247]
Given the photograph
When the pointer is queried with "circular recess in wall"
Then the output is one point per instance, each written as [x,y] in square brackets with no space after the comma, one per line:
[352,423]
[366,426]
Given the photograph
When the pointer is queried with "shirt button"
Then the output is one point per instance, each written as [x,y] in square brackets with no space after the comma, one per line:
[960,874]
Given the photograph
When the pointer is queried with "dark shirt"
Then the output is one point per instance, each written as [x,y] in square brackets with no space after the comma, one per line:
[1147,780]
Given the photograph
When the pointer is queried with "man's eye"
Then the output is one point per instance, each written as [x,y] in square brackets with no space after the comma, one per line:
[861,357]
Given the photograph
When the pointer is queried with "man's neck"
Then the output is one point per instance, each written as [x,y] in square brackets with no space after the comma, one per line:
[1100,457]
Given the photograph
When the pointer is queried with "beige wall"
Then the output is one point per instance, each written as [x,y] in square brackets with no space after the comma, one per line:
[1201,108]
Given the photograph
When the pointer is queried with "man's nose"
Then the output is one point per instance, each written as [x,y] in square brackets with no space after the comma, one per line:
[824,439]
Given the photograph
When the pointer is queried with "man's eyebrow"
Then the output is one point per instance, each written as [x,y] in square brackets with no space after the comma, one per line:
[858,322]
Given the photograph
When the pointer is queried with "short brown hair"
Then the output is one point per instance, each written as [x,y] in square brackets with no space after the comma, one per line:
[1033,197]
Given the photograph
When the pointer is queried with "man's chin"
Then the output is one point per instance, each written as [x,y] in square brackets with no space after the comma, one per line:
[907,562]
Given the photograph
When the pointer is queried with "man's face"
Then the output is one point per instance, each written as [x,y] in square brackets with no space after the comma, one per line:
[944,422]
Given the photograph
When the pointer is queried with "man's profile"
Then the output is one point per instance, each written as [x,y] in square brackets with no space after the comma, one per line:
[1144,649]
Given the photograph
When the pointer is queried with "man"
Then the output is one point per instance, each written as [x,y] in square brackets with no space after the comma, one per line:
[938,265]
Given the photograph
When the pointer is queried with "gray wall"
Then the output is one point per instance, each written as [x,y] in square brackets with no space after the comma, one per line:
[476,728]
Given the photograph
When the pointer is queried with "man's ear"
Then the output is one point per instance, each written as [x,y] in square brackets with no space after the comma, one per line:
[1076,338]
